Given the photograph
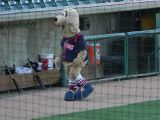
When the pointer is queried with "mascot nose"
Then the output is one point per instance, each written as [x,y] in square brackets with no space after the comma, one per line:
[55,19]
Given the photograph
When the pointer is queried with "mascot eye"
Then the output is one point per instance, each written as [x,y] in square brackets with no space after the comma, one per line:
[64,13]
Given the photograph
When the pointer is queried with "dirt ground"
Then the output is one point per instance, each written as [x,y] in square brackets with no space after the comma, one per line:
[38,103]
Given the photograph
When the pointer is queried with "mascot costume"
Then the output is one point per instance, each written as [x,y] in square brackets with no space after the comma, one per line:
[73,55]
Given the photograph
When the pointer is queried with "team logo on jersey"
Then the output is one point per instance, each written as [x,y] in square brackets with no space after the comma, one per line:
[68,46]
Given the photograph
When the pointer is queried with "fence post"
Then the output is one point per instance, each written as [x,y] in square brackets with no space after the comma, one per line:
[126,54]
[95,61]
[156,53]
[63,75]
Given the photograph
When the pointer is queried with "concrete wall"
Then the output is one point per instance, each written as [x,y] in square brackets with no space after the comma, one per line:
[100,23]
[20,42]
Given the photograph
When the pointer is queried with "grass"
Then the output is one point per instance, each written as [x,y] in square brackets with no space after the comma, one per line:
[139,111]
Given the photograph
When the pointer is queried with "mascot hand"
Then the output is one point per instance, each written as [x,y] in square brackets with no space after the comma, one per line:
[57,62]
[79,60]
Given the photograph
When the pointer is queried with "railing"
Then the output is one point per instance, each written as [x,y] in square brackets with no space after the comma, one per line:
[138,56]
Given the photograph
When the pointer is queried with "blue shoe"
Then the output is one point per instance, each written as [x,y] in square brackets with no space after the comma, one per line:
[78,95]
[88,89]
[69,96]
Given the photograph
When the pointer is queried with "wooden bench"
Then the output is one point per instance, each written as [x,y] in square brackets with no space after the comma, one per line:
[48,77]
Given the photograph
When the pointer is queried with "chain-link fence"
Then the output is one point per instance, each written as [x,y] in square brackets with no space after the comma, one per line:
[122,39]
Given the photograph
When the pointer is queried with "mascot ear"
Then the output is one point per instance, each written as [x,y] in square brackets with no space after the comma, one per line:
[84,23]
[64,13]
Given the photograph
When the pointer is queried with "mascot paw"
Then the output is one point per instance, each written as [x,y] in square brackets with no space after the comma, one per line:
[78,95]
[88,89]
[57,62]
[69,96]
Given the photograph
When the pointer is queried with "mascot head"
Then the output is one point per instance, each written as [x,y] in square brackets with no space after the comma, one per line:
[69,21]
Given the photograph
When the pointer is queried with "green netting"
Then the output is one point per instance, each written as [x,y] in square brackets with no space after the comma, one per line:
[122,37]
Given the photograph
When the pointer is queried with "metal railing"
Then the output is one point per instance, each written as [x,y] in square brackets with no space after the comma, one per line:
[123,55]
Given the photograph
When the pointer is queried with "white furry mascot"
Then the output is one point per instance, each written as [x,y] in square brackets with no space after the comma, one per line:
[73,55]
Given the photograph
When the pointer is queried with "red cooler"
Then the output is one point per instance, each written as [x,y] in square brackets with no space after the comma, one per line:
[90,47]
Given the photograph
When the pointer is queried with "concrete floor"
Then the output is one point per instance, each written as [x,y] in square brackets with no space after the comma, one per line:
[38,103]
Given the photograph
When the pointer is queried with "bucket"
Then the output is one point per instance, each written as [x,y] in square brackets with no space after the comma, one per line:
[47,61]
[91,53]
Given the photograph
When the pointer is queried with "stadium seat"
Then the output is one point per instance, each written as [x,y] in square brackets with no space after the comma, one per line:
[72,2]
[30,4]
[38,3]
[108,0]
[103,1]
[99,1]
[4,5]
[118,0]
[95,1]
[61,2]
[14,4]
[50,3]
[84,1]
[26,4]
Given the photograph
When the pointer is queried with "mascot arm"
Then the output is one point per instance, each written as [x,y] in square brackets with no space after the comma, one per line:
[58,59]
[79,60]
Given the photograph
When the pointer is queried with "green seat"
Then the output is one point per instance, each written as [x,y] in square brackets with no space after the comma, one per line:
[50,3]
[84,1]
[4,5]
[26,4]
[14,4]
[61,2]
[72,2]
[38,3]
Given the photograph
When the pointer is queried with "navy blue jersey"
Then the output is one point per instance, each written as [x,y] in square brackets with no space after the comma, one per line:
[72,46]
